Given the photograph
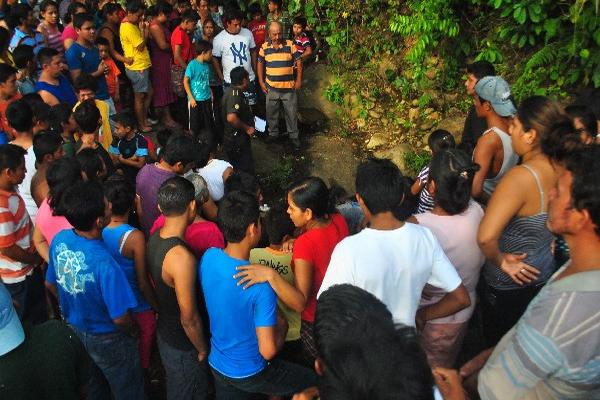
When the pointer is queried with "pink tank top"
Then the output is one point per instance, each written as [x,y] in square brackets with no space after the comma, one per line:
[50,224]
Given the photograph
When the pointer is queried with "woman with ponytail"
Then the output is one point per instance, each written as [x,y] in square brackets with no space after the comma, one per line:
[513,234]
[454,221]
[312,210]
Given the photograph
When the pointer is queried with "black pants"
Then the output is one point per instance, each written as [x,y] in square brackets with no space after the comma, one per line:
[217,97]
[238,149]
[202,123]
[279,378]
[502,309]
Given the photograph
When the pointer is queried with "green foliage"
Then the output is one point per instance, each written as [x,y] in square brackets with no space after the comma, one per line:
[335,92]
[540,46]
[415,162]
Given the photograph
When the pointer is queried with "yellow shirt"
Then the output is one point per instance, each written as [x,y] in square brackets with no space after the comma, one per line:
[131,38]
[105,133]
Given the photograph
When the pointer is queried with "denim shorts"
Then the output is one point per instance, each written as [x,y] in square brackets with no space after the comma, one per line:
[140,80]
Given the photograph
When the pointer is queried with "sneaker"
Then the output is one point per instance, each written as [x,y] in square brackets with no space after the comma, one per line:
[296,143]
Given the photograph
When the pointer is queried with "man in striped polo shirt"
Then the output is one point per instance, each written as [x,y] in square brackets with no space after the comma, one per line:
[276,61]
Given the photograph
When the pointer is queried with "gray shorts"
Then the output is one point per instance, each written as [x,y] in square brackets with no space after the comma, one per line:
[140,80]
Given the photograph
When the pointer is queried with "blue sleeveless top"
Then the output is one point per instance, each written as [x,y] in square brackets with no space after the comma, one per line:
[115,239]
[63,91]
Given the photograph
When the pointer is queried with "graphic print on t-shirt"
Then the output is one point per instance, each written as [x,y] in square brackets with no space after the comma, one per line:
[70,267]
[241,53]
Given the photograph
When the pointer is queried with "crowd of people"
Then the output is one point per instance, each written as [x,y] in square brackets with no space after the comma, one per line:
[128,244]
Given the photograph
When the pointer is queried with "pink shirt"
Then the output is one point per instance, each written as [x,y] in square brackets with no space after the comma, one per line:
[50,224]
[200,236]
[457,235]
[68,33]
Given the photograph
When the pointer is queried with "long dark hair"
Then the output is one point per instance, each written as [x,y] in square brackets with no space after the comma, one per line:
[313,193]
[452,171]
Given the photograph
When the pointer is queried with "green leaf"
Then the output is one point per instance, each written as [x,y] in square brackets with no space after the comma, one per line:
[531,40]
[520,15]
[497,4]
[522,41]
[584,53]
[506,12]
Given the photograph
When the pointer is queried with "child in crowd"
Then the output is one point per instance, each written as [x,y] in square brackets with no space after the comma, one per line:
[63,123]
[25,63]
[197,87]
[21,16]
[8,94]
[133,40]
[162,137]
[83,57]
[438,140]
[93,167]
[61,175]
[276,13]
[216,13]
[183,52]
[18,267]
[112,72]
[280,229]
[584,121]
[301,39]
[201,234]
[49,27]
[209,29]
[349,208]
[89,121]
[47,147]
[243,349]
[85,88]
[21,119]
[127,246]
[129,149]
[41,112]
[258,24]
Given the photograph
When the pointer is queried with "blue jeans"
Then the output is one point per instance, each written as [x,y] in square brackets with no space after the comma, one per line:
[187,378]
[30,297]
[117,356]
[279,378]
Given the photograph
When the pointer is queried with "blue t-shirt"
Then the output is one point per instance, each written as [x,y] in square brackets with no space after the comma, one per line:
[199,74]
[234,315]
[115,238]
[87,60]
[92,288]
[35,39]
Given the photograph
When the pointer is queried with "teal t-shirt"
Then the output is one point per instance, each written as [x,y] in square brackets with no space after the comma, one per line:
[199,75]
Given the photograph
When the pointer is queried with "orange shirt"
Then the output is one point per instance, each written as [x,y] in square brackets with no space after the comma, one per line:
[112,77]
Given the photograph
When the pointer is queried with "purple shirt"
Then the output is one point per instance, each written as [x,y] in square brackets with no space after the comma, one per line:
[148,182]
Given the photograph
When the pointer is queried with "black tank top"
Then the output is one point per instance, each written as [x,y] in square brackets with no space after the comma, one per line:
[169,323]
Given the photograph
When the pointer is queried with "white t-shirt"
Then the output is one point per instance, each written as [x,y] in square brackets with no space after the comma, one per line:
[394,266]
[457,235]
[25,187]
[234,51]
[213,175]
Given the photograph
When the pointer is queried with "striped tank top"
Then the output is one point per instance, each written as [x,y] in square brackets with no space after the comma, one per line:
[54,38]
[528,235]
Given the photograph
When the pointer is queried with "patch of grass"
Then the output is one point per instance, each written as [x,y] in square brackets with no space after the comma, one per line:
[415,161]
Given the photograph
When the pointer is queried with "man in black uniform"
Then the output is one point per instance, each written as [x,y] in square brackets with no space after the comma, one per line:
[239,122]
